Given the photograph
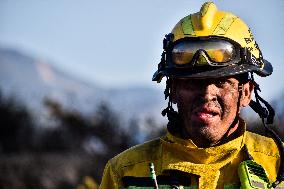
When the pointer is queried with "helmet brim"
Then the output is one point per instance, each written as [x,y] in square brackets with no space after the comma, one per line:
[214,72]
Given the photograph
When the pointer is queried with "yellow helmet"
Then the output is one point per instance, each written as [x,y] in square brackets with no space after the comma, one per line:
[208,44]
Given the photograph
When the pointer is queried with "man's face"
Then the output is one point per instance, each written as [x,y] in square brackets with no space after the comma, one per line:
[209,107]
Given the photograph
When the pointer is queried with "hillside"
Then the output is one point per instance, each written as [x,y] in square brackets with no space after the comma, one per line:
[31,79]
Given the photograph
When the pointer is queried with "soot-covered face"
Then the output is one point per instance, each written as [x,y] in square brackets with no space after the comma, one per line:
[208,107]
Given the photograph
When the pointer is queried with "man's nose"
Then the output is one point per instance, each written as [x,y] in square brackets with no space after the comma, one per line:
[209,91]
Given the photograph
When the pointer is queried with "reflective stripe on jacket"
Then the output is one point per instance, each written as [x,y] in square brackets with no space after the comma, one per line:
[214,167]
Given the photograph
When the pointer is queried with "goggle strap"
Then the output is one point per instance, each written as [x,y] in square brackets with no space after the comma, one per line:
[168,41]
[166,44]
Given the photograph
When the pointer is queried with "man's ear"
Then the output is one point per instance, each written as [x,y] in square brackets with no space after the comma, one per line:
[173,90]
[246,94]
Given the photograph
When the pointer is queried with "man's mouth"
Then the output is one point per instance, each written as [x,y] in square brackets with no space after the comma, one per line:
[205,114]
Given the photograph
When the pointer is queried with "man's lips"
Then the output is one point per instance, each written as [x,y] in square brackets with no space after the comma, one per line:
[205,114]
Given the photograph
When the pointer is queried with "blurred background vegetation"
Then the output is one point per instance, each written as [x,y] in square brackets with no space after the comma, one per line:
[71,154]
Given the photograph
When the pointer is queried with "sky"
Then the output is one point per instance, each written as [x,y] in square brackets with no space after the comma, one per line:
[118,43]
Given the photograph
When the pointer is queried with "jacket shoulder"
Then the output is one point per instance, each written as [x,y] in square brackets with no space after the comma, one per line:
[261,144]
[141,153]
[265,152]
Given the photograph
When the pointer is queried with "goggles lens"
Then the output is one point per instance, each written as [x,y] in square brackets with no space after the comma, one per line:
[217,50]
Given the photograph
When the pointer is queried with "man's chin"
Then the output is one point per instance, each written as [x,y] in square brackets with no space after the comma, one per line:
[208,131]
[206,137]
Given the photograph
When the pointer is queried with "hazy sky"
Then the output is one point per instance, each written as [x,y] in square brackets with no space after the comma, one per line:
[119,42]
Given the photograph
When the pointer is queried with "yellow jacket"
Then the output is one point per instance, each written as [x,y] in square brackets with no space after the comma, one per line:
[214,167]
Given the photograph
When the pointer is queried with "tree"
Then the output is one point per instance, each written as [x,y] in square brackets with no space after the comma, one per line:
[16,126]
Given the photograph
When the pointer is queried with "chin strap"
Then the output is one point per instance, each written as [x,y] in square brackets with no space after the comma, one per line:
[174,121]
[267,113]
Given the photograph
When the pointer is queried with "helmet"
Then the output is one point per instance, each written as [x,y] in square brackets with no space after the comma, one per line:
[210,44]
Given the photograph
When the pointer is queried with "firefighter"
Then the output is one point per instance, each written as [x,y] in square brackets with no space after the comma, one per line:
[209,60]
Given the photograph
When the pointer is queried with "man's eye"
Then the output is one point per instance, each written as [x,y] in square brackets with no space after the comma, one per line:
[222,83]
[190,84]
[225,84]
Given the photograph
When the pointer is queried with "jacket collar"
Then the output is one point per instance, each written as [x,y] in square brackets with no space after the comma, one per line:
[184,155]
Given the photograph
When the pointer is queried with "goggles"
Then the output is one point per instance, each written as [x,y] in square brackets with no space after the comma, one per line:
[209,56]
[216,52]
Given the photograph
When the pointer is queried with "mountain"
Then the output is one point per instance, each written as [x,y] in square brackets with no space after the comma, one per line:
[31,79]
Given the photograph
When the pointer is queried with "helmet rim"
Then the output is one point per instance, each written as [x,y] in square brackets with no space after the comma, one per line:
[214,72]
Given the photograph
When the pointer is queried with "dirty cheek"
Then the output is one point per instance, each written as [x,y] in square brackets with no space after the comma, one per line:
[229,103]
